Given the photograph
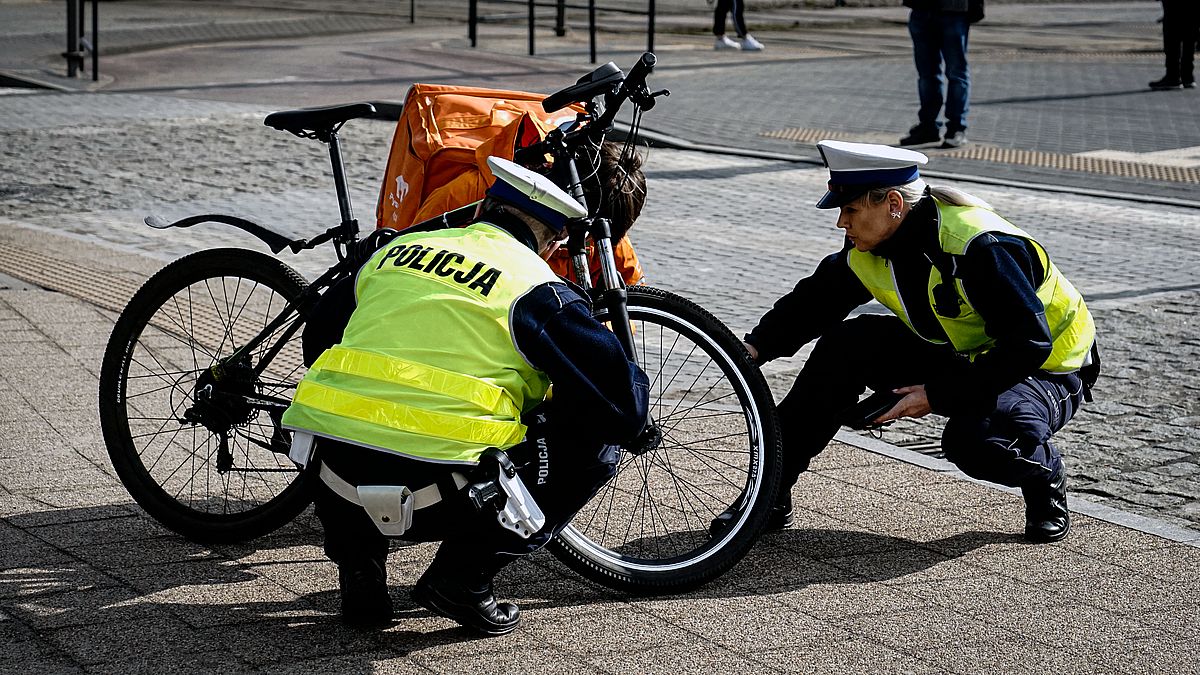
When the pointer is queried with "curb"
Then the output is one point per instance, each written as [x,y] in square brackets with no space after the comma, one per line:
[1108,514]
[662,140]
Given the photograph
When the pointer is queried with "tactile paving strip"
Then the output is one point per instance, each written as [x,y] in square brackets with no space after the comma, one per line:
[990,153]
[108,291]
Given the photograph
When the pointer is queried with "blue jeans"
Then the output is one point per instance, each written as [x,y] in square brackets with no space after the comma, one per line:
[938,37]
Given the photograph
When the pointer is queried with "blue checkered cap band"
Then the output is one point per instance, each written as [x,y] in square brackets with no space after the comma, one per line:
[510,195]
[874,178]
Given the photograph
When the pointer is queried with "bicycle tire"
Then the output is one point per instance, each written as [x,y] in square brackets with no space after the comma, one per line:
[180,322]
[679,484]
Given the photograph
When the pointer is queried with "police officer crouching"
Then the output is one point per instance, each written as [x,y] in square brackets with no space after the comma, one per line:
[454,339]
[984,329]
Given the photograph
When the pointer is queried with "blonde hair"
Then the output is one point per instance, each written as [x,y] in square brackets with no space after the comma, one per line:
[912,193]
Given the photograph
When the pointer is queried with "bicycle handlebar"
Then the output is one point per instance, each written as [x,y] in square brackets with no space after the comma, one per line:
[633,86]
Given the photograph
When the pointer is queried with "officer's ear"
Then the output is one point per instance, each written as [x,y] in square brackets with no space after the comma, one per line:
[895,201]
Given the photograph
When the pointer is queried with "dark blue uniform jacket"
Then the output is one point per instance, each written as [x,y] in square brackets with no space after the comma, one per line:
[999,274]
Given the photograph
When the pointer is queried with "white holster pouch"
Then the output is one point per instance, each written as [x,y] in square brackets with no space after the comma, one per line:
[521,514]
[391,507]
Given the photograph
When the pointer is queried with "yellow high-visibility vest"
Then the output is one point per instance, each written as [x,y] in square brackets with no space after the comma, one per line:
[1071,326]
[427,366]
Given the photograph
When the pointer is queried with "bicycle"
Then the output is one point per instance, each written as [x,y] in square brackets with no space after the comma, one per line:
[203,360]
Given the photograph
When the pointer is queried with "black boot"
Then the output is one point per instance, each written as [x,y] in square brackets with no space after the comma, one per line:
[1046,516]
[365,599]
[779,518]
[467,599]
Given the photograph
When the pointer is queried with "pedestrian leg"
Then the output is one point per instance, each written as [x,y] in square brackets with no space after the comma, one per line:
[927,55]
[955,31]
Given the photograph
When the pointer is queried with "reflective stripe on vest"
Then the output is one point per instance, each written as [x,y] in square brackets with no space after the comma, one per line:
[427,366]
[488,433]
[472,390]
[1071,325]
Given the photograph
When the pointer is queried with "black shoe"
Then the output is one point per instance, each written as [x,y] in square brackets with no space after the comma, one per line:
[365,599]
[1046,516]
[457,601]
[1189,84]
[919,135]
[779,518]
[1166,83]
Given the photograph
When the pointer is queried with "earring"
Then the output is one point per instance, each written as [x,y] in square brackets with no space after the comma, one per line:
[895,214]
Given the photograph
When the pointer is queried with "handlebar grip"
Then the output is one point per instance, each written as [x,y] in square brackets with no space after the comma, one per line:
[639,71]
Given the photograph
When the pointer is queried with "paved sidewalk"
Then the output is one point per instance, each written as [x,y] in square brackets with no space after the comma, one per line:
[890,568]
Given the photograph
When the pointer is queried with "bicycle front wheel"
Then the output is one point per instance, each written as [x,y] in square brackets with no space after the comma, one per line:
[193,433]
[712,443]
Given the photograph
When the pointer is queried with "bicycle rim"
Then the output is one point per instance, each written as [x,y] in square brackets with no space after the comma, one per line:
[180,469]
[648,528]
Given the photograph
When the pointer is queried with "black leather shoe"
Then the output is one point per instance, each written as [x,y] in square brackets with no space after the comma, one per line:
[779,518]
[1166,83]
[920,135]
[1046,516]
[457,601]
[365,599]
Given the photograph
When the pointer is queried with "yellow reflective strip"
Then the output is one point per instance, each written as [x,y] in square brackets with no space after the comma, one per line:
[492,433]
[472,390]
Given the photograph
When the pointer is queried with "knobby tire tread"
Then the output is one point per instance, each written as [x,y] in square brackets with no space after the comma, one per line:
[733,550]
[145,490]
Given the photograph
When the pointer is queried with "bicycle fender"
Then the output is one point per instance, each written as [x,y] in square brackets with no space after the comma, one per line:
[275,241]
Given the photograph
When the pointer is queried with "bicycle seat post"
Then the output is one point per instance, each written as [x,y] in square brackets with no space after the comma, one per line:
[339,179]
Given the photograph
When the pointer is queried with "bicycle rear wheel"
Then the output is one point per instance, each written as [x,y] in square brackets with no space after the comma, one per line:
[200,447]
[713,443]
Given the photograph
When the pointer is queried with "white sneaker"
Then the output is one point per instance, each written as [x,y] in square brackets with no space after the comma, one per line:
[749,44]
[724,42]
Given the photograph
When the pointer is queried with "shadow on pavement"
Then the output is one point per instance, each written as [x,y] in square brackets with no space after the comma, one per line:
[1060,97]
[79,575]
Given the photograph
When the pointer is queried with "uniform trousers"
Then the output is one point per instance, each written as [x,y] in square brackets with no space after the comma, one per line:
[1009,444]
[561,471]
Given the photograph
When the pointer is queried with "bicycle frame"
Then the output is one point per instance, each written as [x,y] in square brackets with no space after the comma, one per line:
[611,296]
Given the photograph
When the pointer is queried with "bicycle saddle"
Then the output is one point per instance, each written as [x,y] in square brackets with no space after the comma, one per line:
[317,120]
[597,82]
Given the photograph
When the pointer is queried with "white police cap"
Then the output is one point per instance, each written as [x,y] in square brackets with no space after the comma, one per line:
[533,193]
[855,168]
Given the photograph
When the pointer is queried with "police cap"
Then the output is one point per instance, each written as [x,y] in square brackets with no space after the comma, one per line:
[532,193]
[856,168]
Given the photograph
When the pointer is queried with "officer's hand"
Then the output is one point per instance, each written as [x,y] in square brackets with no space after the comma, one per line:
[753,352]
[914,404]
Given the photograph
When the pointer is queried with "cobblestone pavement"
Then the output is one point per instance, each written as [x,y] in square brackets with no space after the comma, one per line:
[732,234]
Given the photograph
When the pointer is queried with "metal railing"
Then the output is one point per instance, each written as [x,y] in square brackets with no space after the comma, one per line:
[560,28]
[78,44]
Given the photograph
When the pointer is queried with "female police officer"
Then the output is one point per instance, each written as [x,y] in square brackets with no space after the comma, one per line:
[984,329]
